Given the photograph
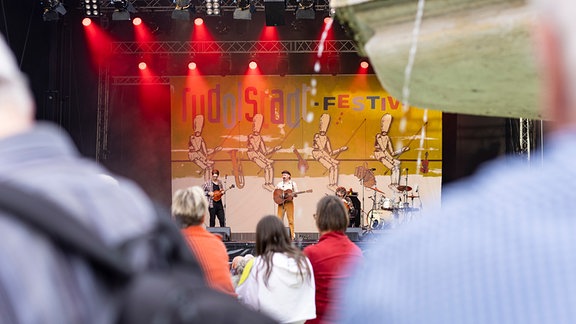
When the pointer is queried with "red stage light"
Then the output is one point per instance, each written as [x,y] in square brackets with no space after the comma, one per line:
[364,64]
[253,65]
[198,21]
[327,20]
[142,66]
[86,22]
[137,21]
[192,66]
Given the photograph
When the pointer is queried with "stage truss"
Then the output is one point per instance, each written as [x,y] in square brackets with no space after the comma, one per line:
[226,5]
[105,80]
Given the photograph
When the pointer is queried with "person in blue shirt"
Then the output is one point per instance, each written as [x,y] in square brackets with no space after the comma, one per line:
[503,247]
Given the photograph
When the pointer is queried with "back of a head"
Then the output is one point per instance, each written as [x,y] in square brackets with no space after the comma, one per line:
[189,206]
[271,236]
[236,261]
[331,215]
[16,102]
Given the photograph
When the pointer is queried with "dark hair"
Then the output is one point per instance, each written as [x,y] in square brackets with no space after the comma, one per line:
[272,237]
[287,172]
[331,215]
[342,190]
[216,171]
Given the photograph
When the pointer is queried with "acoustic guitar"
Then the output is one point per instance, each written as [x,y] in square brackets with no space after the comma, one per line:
[218,193]
[281,196]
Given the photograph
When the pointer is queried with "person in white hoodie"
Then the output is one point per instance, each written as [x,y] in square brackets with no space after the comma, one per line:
[280,281]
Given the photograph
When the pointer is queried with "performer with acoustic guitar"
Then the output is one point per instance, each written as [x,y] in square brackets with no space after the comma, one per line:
[289,190]
[214,189]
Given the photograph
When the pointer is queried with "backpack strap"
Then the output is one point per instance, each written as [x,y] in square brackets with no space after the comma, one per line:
[61,227]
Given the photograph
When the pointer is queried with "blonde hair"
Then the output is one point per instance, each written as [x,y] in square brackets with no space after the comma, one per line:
[189,206]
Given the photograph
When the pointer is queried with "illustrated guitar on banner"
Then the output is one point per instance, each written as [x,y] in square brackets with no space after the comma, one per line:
[219,193]
[280,196]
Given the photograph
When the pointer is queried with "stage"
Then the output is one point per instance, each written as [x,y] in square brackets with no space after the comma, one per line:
[244,243]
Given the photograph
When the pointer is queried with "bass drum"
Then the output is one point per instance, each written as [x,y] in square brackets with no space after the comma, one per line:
[379,219]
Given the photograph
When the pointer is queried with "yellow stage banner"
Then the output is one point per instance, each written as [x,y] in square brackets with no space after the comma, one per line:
[328,131]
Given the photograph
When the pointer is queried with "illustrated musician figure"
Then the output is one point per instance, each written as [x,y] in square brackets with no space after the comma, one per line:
[287,207]
[214,189]
[384,151]
[197,150]
[342,194]
[322,152]
[257,152]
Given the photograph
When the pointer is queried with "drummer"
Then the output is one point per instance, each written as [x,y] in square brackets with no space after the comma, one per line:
[341,193]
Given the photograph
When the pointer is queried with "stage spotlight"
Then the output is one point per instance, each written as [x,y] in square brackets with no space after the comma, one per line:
[182,10]
[142,65]
[275,10]
[244,10]
[137,21]
[192,66]
[306,9]
[86,21]
[198,21]
[212,7]
[122,9]
[364,64]
[253,65]
[52,10]
[91,8]
[332,12]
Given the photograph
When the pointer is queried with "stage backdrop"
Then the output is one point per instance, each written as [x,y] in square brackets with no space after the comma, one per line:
[328,131]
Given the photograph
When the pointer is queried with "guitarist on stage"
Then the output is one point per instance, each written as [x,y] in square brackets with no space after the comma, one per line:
[288,205]
[215,207]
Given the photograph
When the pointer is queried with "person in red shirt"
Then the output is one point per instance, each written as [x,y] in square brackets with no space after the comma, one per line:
[189,208]
[332,256]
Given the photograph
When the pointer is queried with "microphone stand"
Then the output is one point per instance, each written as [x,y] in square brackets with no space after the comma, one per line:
[224,202]
[362,207]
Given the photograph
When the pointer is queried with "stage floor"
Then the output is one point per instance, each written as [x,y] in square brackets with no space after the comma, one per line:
[244,243]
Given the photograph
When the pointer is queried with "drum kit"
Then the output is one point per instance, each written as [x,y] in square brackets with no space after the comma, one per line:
[387,212]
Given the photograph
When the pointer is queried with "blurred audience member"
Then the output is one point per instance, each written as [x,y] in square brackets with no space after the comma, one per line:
[39,281]
[189,208]
[503,247]
[280,282]
[236,269]
[333,255]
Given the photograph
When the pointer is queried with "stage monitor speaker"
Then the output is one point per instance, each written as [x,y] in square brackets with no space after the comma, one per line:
[223,232]
[275,10]
[354,233]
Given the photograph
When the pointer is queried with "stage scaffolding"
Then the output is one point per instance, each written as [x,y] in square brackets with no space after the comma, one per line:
[226,5]
[106,80]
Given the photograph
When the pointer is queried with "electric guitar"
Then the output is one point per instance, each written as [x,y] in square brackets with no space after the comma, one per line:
[280,196]
[218,193]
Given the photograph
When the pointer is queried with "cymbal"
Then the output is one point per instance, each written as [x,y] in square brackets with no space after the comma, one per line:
[377,190]
[404,188]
